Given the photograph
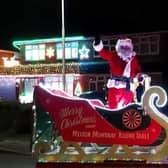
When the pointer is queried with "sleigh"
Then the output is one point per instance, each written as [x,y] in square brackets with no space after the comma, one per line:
[85,130]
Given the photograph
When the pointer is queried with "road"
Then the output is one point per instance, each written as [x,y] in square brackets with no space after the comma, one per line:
[15,151]
[13,160]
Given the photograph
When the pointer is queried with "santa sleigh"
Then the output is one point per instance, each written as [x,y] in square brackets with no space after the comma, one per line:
[87,130]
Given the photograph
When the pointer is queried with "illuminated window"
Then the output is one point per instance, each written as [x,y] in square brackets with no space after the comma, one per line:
[35,52]
[71,50]
[26,89]
[69,86]
[56,82]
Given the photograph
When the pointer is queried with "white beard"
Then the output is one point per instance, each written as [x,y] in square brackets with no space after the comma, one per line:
[126,55]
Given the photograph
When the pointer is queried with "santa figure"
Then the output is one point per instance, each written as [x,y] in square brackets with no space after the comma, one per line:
[124,66]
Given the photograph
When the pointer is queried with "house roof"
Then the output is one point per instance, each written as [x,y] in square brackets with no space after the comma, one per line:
[17,44]
[7,51]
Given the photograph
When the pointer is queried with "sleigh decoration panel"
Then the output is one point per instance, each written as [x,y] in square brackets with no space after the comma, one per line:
[73,129]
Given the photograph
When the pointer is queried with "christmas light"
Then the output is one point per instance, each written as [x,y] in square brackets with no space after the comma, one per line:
[34,69]
[78,89]
[10,62]
[50,52]
[84,52]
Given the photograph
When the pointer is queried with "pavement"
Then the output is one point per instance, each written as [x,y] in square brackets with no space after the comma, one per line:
[16,143]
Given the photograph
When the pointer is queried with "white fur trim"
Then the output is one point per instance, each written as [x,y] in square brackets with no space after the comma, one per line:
[115,84]
[117,44]
[128,57]
[98,47]
[127,69]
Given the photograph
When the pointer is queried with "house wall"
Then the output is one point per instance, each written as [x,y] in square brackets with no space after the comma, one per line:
[5,53]
[7,88]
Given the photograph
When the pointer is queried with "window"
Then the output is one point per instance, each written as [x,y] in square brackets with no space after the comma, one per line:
[156,77]
[146,44]
[35,52]
[26,89]
[144,48]
[71,50]
[56,82]
[109,44]
[143,44]
[98,82]
[26,85]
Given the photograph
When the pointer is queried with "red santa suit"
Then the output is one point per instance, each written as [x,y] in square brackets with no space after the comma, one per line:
[124,67]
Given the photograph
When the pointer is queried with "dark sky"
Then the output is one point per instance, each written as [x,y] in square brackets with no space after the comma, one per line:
[27,19]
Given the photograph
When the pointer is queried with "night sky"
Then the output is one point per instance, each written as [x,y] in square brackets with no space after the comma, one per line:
[27,19]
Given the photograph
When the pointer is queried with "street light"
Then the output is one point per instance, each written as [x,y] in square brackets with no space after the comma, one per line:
[63,45]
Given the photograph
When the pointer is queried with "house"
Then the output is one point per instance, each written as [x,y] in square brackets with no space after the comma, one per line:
[7,82]
[81,69]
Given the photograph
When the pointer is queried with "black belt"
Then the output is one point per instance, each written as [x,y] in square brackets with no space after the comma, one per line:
[123,79]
